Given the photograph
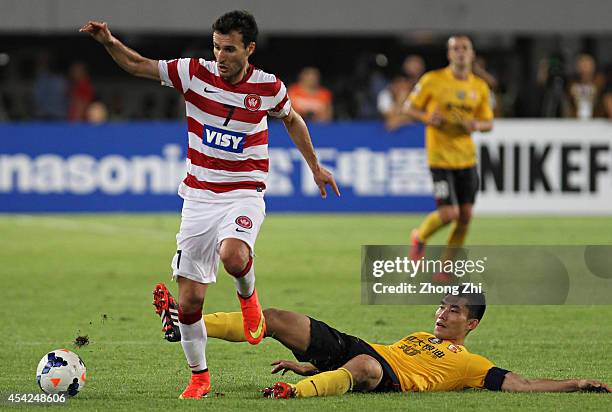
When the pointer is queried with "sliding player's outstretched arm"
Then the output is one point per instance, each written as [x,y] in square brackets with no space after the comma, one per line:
[128,59]
[516,383]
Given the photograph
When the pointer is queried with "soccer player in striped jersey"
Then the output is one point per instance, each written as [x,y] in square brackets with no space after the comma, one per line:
[227,104]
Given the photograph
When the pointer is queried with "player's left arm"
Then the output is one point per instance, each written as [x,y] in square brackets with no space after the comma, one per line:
[476,125]
[481,373]
[297,129]
[516,383]
[483,117]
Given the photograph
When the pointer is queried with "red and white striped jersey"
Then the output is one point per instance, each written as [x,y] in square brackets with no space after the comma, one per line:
[227,128]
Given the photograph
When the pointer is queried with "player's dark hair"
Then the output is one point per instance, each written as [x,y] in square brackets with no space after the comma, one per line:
[459,35]
[238,20]
[476,304]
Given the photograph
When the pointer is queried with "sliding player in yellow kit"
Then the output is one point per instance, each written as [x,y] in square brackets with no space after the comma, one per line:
[421,361]
[452,102]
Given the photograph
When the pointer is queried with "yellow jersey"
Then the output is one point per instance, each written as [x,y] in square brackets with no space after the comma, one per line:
[450,146]
[423,362]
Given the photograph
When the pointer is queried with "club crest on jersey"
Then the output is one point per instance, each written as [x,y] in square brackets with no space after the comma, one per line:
[252,102]
[453,348]
[244,221]
[223,139]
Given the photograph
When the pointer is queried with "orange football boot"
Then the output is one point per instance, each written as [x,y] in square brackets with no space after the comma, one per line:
[442,277]
[199,386]
[417,246]
[252,318]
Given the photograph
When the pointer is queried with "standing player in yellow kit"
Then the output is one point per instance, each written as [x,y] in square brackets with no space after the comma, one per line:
[452,102]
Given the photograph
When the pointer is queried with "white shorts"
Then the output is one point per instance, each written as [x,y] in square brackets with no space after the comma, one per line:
[204,226]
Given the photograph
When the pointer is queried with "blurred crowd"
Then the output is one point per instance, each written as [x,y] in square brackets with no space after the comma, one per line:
[586,94]
[57,96]
[373,90]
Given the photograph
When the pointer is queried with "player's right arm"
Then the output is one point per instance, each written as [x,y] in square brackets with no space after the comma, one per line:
[516,383]
[417,101]
[128,59]
[302,369]
[429,119]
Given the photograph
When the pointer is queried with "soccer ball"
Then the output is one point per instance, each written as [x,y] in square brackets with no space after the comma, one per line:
[61,371]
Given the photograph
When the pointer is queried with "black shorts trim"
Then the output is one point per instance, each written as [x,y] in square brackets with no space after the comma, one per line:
[330,349]
[455,186]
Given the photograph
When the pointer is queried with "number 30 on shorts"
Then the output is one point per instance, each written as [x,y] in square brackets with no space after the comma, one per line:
[440,189]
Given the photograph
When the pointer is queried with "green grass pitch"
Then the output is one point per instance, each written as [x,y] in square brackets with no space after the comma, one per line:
[69,275]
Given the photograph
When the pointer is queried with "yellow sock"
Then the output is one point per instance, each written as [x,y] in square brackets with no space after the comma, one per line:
[430,225]
[325,384]
[458,234]
[455,240]
[226,326]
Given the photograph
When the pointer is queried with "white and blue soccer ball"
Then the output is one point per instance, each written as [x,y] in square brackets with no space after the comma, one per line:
[61,372]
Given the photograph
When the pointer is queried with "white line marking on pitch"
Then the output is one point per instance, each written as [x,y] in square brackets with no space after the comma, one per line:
[97,343]
[67,224]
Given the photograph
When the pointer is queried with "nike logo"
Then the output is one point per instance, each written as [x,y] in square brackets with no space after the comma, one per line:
[240,230]
[210,91]
[255,334]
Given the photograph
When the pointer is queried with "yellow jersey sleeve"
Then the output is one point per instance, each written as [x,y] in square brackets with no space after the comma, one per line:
[476,371]
[422,92]
[484,111]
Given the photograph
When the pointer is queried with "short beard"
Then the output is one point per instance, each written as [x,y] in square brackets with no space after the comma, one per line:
[232,76]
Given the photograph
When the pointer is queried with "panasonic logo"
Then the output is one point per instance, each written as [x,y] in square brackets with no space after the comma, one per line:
[82,174]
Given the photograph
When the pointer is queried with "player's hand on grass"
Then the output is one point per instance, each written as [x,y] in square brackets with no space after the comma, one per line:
[299,368]
[322,178]
[589,385]
[98,30]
